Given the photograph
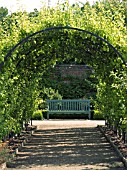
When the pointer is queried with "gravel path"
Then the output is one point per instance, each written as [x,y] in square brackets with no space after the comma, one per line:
[67,145]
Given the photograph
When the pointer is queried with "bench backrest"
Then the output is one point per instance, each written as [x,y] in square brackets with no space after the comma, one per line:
[68,105]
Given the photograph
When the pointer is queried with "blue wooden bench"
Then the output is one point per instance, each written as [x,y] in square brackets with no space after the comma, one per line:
[68,107]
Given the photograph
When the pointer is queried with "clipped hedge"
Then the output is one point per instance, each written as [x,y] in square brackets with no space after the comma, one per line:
[37,115]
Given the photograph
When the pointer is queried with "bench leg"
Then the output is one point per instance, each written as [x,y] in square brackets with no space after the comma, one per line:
[47,116]
[90,116]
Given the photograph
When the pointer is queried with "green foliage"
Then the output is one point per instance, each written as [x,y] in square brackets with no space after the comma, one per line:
[3,13]
[24,69]
[49,93]
[112,99]
[4,155]
[78,88]
[37,115]
[70,86]
[98,115]
[44,112]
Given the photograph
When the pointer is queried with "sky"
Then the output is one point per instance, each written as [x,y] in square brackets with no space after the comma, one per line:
[29,5]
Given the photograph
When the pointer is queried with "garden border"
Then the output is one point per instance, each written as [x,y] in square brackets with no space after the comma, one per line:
[6,164]
[124,160]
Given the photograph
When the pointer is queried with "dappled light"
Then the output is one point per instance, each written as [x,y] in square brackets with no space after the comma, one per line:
[67,147]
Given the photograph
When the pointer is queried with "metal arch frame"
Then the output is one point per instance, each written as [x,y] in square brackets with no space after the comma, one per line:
[60,28]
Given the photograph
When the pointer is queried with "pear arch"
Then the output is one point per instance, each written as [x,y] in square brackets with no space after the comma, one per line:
[94,45]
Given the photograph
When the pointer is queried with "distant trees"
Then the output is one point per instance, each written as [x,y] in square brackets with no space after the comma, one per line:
[3,13]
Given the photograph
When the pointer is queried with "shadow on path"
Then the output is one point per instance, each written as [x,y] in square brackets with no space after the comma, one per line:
[68,147]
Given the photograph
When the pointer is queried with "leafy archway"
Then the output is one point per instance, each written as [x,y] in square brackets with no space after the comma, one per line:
[94,45]
[25,64]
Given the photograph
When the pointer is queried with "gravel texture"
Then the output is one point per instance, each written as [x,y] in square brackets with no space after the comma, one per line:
[67,145]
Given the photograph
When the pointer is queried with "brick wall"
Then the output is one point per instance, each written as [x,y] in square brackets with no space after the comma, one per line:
[74,70]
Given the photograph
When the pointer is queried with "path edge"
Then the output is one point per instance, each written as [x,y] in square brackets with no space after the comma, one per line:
[6,164]
[123,159]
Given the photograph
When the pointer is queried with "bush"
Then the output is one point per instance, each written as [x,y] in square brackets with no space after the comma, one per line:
[98,115]
[44,113]
[37,115]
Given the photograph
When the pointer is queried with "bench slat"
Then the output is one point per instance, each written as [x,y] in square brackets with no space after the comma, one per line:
[68,107]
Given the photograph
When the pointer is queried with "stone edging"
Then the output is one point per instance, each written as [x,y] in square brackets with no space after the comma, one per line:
[124,160]
[5,164]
